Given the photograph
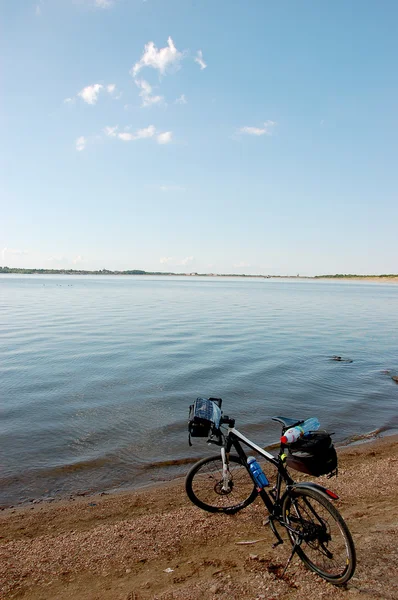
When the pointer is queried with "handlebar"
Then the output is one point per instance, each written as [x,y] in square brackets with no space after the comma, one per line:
[227,421]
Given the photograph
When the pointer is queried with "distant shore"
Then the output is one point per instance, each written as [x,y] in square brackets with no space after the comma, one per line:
[371,278]
[384,278]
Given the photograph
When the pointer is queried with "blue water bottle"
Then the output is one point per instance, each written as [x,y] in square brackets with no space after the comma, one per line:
[257,472]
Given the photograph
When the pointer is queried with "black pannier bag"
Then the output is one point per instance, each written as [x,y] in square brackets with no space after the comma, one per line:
[313,454]
[204,417]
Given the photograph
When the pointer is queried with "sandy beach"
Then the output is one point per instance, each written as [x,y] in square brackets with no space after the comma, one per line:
[154,544]
[370,278]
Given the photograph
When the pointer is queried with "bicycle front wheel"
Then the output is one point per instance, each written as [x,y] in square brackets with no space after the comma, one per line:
[325,542]
[205,487]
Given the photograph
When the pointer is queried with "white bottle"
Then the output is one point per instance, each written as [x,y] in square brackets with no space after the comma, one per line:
[294,433]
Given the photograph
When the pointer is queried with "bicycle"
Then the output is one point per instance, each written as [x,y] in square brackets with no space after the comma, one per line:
[316,530]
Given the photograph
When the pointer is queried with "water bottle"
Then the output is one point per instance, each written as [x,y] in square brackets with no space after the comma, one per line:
[257,472]
[294,433]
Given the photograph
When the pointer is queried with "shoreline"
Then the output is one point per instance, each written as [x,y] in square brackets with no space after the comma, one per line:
[352,441]
[70,272]
[119,546]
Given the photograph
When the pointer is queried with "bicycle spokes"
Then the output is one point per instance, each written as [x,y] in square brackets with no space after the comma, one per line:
[219,488]
[319,536]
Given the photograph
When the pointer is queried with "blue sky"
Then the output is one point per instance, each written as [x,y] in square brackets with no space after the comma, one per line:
[210,136]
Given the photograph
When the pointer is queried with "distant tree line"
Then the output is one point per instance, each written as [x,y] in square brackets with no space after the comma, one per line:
[107,272]
[76,272]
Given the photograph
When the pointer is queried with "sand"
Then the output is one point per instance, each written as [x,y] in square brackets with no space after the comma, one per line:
[154,544]
[370,278]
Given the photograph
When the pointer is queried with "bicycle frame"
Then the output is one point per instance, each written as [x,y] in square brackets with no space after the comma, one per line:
[234,439]
[273,499]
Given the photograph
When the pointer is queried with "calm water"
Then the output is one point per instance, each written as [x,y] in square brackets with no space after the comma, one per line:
[96,373]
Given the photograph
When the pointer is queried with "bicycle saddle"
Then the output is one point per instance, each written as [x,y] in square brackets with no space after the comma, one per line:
[287,422]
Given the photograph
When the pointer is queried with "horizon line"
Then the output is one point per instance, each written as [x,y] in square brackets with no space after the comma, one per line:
[66,271]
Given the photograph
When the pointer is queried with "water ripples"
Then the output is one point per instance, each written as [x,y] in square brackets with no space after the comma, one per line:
[97,373]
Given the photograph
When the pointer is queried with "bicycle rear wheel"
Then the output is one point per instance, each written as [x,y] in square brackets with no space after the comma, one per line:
[204,485]
[326,544]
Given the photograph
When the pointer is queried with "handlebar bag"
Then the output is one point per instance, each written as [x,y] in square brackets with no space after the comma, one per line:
[204,416]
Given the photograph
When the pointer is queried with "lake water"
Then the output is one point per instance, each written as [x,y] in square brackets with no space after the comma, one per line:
[96,373]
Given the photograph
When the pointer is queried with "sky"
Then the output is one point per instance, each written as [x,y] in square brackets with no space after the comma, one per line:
[210,136]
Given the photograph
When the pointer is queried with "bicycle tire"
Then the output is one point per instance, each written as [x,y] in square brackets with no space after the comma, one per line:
[327,547]
[203,485]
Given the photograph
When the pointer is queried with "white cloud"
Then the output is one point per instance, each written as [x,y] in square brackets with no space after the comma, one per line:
[38,8]
[146,88]
[171,188]
[103,3]
[265,130]
[252,130]
[81,143]
[146,93]
[150,100]
[57,259]
[165,137]
[241,265]
[186,261]
[199,59]
[181,100]
[145,133]
[126,136]
[77,260]
[111,131]
[163,59]
[166,260]
[90,93]
[12,252]
[113,91]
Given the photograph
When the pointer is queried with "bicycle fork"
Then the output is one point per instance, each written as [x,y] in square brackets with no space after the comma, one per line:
[225,471]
